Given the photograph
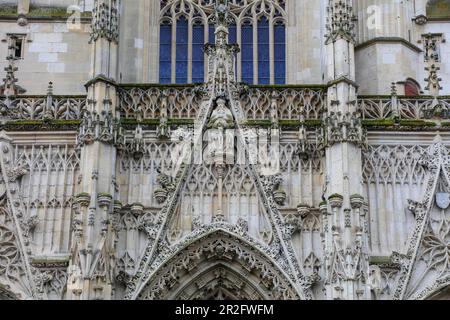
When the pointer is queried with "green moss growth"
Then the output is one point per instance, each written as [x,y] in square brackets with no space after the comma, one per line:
[335,195]
[288,86]
[258,123]
[65,122]
[417,123]
[156,85]
[283,123]
[105,195]
[378,123]
[40,12]
[83,194]
[25,123]
[146,122]
[445,124]
[181,121]
[379,260]
[8,11]
[55,123]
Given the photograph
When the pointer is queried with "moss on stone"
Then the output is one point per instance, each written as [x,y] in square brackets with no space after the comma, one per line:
[378,123]
[40,12]
[417,123]
[288,86]
[65,122]
[258,123]
[8,11]
[379,260]
[181,121]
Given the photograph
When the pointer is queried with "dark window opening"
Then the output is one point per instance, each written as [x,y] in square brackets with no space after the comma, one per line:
[17,46]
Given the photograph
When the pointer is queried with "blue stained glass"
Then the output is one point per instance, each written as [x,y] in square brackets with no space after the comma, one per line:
[232,38]
[247,53]
[280,53]
[198,56]
[165,54]
[181,69]
[263,51]
[211,35]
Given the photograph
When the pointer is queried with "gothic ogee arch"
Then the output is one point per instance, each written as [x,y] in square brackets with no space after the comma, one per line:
[218,264]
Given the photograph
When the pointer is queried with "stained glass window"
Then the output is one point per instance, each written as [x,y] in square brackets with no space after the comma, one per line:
[280,53]
[165,53]
[232,36]
[247,53]
[263,51]
[211,35]
[261,36]
[181,70]
[198,57]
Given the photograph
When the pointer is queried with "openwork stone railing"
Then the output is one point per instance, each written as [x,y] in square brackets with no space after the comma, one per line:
[257,102]
[292,103]
[389,107]
[146,101]
[43,107]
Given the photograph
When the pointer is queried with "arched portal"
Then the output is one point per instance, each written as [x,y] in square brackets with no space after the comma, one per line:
[219,265]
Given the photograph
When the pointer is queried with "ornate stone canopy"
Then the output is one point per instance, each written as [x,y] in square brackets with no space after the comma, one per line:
[218,264]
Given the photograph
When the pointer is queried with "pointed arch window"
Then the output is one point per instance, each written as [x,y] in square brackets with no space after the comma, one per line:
[182,50]
[165,53]
[263,51]
[258,28]
[280,53]
[198,57]
[247,53]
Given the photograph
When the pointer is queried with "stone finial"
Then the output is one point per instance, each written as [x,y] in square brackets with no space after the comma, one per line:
[9,86]
[340,21]
[105,20]
[393,89]
[50,89]
[433,80]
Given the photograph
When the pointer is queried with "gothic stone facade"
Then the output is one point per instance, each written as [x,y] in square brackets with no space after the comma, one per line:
[335,186]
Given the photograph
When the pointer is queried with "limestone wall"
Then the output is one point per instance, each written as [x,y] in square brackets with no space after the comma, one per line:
[51,53]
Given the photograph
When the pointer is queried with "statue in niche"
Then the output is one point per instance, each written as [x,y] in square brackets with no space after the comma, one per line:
[221,117]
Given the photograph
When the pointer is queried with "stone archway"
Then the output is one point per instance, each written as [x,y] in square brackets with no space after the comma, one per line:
[220,280]
[219,265]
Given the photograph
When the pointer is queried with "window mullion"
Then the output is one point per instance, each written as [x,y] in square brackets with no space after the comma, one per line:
[239,55]
[255,49]
[206,59]
[271,50]
[174,50]
[190,26]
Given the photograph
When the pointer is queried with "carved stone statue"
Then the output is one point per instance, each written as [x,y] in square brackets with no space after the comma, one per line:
[221,117]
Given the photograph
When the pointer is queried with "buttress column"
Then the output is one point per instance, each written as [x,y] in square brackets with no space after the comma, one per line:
[93,235]
[342,139]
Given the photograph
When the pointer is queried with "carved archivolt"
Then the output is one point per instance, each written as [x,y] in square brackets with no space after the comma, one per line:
[229,250]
